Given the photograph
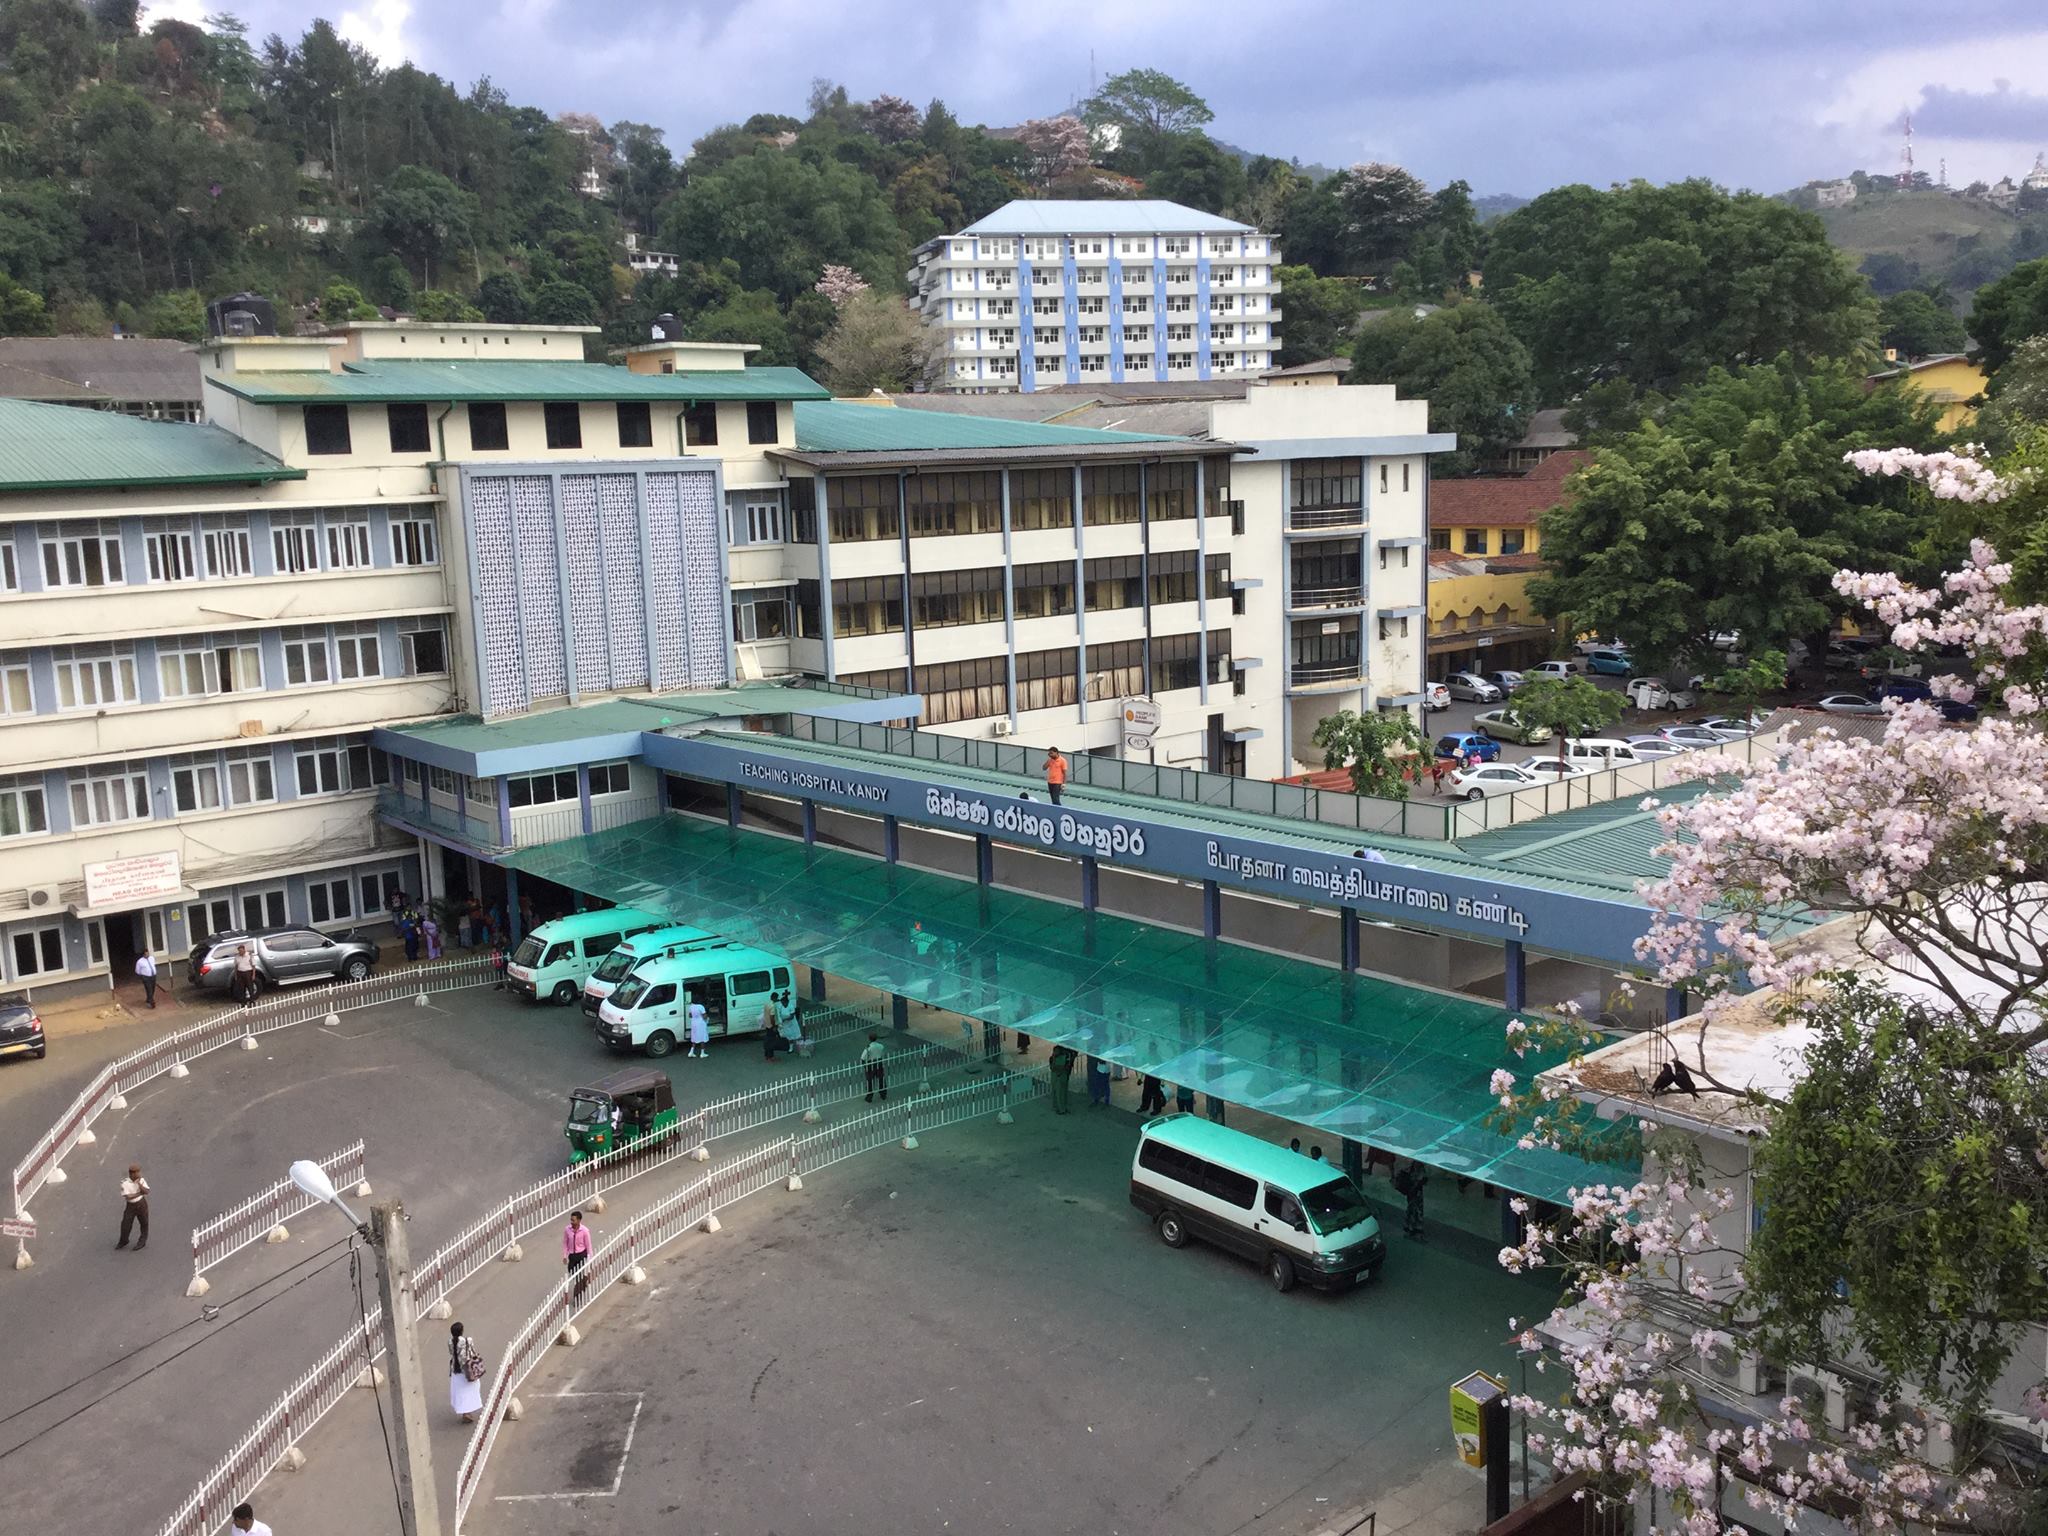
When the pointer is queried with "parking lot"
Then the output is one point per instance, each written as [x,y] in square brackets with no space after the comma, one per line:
[980,1333]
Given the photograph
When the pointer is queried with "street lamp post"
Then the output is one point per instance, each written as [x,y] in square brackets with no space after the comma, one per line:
[418,1497]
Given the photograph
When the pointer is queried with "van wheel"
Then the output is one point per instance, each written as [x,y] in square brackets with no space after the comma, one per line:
[564,995]
[660,1043]
[1280,1270]
[1172,1230]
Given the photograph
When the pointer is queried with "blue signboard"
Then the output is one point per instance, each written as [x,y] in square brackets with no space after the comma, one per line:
[1561,922]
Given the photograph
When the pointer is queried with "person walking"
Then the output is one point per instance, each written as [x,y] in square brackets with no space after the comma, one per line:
[789,1020]
[145,967]
[465,1375]
[244,1520]
[409,930]
[1055,773]
[499,960]
[1408,1184]
[134,1208]
[576,1252]
[872,1072]
[1062,1068]
[245,974]
[1098,1081]
[700,1029]
[1151,1096]
[431,932]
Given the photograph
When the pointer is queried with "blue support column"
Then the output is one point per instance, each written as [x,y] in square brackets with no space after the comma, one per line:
[1212,910]
[1347,938]
[732,805]
[1091,883]
[984,859]
[1675,1005]
[583,795]
[899,1011]
[817,985]
[512,904]
[504,807]
[1516,982]
[1354,1159]
[892,839]
[810,823]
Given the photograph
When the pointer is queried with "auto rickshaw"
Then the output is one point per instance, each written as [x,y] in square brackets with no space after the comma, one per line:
[618,1111]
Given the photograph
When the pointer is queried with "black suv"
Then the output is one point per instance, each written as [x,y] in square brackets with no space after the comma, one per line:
[284,957]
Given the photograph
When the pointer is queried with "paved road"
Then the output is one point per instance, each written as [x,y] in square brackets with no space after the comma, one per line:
[460,1103]
[982,1335]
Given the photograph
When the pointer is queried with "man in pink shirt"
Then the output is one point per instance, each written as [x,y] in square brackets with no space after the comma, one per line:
[576,1249]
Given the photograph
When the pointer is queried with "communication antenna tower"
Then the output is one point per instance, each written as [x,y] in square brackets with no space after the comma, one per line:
[1906,159]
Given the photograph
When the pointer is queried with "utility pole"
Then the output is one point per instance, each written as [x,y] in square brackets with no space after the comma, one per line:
[418,1498]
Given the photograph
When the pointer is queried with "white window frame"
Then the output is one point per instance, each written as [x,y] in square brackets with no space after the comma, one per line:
[168,552]
[294,543]
[99,677]
[24,803]
[334,765]
[408,645]
[416,540]
[108,788]
[10,577]
[196,778]
[331,886]
[358,658]
[348,542]
[224,548]
[305,644]
[68,558]
[553,782]
[269,903]
[43,937]
[621,771]
[17,685]
[177,660]
[251,777]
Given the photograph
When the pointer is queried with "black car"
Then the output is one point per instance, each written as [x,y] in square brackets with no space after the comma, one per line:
[284,957]
[21,1032]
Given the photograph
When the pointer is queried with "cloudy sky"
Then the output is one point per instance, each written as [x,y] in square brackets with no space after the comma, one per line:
[1512,97]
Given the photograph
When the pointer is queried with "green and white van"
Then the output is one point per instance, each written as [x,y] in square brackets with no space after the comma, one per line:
[1297,1218]
[654,944]
[555,959]
[650,1009]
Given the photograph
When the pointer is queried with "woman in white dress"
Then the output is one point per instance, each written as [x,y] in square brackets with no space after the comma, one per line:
[465,1395]
[700,1029]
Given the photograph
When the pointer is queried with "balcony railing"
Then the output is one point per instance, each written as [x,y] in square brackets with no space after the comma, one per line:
[1351,595]
[1299,518]
[411,811]
[1321,674]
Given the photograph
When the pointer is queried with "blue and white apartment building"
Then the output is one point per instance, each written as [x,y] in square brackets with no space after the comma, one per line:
[1044,293]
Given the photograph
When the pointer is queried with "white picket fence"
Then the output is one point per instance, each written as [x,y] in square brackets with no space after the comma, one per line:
[259,1215]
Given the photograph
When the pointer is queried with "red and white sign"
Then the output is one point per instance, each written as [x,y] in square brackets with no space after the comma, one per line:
[23,1227]
[132,882]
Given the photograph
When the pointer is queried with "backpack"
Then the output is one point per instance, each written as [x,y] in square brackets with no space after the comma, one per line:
[1404,1182]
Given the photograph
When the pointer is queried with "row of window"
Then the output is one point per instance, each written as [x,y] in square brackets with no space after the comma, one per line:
[209,666]
[979,688]
[216,547]
[409,430]
[1476,541]
[871,508]
[521,790]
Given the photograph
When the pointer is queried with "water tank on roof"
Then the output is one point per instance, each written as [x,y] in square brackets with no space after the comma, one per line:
[241,314]
[666,327]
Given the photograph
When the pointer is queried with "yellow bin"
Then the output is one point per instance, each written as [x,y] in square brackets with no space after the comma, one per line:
[1467,1397]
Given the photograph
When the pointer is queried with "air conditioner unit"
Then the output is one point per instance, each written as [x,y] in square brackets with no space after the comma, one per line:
[1939,1448]
[43,898]
[1819,1392]
[1001,728]
[1743,1372]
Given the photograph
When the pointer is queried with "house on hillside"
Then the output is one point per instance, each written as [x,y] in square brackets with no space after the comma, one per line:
[1485,542]
[1954,381]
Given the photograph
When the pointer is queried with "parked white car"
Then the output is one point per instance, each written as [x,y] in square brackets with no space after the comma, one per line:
[1851,704]
[1490,779]
[1549,767]
[1435,696]
[1472,688]
[1570,668]
[1731,727]
[1655,693]
[1592,643]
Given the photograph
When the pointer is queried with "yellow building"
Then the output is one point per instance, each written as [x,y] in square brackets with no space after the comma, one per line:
[1954,382]
[1485,541]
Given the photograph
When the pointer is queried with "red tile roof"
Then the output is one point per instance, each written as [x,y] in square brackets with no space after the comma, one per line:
[1503,501]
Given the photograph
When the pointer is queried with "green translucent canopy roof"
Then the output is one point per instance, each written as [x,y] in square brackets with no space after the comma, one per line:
[1399,1067]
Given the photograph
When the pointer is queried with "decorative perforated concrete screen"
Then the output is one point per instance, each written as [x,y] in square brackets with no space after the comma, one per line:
[1396,1066]
[580,576]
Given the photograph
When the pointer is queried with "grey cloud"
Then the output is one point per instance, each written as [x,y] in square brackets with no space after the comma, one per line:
[2002,115]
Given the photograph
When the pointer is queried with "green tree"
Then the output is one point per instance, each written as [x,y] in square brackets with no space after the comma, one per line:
[343,302]
[1192,170]
[21,310]
[437,304]
[562,302]
[2018,398]
[1445,250]
[1917,326]
[1322,316]
[504,299]
[424,217]
[1658,285]
[1146,104]
[1568,707]
[781,218]
[877,343]
[1744,684]
[1384,209]
[179,314]
[1464,361]
[1382,750]
[2010,310]
[40,232]
[1733,511]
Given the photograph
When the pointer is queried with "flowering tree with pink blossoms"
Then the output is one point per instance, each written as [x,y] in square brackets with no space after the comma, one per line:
[840,284]
[1902,1178]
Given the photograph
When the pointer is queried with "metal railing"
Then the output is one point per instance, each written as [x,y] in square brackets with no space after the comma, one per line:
[256,1217]
[477,831]
[1325,517]
[1316,674]
[111,1085]
[1349,595]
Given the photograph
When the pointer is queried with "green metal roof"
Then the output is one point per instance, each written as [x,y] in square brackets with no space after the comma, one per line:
[844,426]
[70,448]
[387,380]
[1398,1067]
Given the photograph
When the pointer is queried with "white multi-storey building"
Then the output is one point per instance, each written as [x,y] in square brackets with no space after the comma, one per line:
[201,626]
[1064,292]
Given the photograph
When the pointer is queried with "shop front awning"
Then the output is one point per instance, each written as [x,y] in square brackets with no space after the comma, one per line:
[1399,1067]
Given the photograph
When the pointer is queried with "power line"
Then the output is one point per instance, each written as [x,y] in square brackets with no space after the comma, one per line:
[355,1266]
[84,1408]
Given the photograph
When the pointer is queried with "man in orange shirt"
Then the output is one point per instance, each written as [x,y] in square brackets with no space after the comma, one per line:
[1055,773]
